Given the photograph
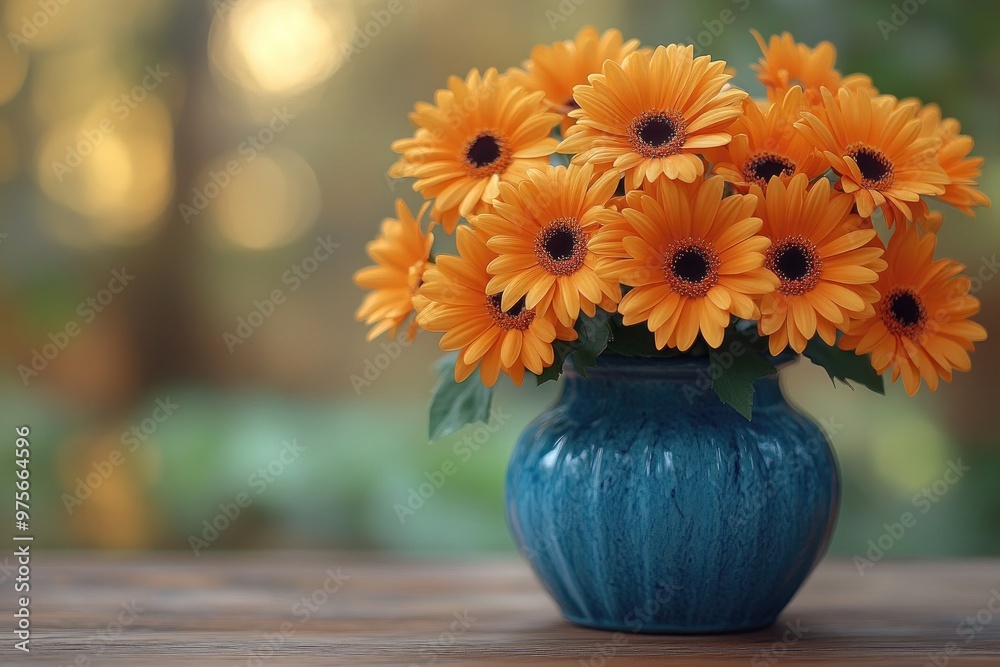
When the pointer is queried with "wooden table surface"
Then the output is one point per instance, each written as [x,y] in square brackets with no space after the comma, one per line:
[312,608]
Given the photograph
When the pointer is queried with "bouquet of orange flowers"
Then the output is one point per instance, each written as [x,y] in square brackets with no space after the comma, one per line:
[632,201]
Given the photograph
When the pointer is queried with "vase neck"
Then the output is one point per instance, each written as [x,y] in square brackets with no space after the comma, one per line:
[624,383]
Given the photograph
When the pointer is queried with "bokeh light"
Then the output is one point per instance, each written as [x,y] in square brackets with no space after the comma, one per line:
[37,26]
[280,47]
[67,82]
[115,172]
[908,454]
[269,202]
[13,68]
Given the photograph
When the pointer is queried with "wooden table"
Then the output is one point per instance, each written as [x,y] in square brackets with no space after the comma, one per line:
[275,609]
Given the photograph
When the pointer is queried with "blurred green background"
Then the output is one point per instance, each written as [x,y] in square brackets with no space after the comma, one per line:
[201,149]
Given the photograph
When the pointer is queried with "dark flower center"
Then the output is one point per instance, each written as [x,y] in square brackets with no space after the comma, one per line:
[876,169]
[793,262]
[486,154]
[658,133]
[905,309]
[691,267]
[559,244]
[516,317]
[484,151]
[903,313]
[761,167]
[516,309]
[796,262]
[561,247]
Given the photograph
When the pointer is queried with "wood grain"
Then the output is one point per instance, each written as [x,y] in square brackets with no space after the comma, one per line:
[247,609]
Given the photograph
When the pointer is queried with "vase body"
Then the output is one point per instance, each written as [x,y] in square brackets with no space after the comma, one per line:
[644,504]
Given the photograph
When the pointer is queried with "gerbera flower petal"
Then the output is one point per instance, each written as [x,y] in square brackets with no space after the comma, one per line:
[953,155]
[766,144]
[402,253]
[485,334]
[819,256]
[480,132]
[542,229]
[787,63]
[653,114]
[920,329]
[682,284]
[873,143]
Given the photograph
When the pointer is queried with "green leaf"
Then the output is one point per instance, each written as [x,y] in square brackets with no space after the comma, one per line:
[735,367]
[559,159]
[561,350]
[845,365]
[593,335]
[635,340]
[455,404]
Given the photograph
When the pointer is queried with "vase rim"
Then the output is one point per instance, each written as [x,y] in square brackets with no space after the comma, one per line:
[681,367]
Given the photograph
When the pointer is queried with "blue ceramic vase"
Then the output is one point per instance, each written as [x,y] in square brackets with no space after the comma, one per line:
[644,504]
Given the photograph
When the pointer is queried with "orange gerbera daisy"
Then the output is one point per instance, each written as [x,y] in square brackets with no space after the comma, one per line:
[691,257]
[766,144]
[653,115]
[787,63]
[874,144]
[921,327]
[821,254]
[541,230]
[953,154]
[478,132]
[474,322]
[401,254]
[555,69]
